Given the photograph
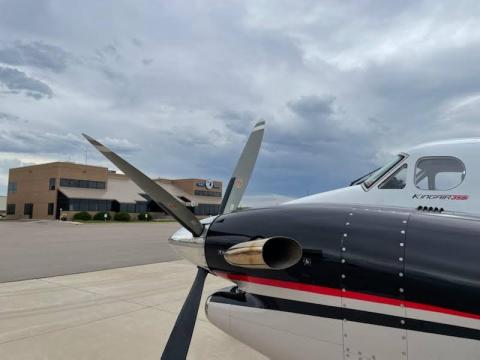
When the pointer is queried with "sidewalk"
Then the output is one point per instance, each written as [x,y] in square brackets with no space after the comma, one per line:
[124,313]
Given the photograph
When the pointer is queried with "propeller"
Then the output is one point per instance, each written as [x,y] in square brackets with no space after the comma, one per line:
[241,175]
[181,335]
[162,197]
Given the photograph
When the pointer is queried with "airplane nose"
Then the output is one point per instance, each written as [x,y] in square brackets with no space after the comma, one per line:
[191,247]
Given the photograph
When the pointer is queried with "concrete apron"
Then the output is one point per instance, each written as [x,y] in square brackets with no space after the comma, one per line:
[124,313]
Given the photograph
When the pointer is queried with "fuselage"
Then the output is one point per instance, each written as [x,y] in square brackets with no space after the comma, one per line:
[408,278]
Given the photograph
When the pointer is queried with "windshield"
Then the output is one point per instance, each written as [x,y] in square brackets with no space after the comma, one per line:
[361,179]
[382,171]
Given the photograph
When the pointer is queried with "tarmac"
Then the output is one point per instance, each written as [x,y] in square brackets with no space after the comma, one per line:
[123,313]
[38,249]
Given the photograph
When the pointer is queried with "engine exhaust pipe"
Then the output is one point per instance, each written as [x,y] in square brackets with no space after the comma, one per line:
[275,253]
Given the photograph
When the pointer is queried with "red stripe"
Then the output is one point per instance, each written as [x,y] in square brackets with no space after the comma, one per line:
[347,294]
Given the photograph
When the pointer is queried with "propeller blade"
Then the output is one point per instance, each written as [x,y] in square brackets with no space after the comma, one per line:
[240,177]
[162,197]
[181,335]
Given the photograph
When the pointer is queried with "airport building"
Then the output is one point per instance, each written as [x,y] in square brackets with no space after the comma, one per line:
[52,190]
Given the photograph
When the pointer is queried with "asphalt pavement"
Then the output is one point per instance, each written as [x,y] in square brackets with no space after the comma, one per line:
[38,249]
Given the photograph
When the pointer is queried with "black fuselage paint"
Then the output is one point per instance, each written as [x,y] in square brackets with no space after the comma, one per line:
[430,259]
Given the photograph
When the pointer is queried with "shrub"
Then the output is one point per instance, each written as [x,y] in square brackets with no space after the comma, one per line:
[144,216]
[101,216]
[64,218]
[122,216]
[83,216]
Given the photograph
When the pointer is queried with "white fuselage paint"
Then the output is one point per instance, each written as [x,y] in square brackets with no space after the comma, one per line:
[284,335]
[467,150]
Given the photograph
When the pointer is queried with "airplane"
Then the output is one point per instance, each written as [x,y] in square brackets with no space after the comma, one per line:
[387,268]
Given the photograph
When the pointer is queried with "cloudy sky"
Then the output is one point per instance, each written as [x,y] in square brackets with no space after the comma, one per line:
[175,86]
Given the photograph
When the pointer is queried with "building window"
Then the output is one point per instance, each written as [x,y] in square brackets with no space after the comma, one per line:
[89,205]
[28,209]
[207,193]
[102,205]
[125,207]
[12,187]
[207,209]
[10,209]
[439,173]
[51,183]
[85,184]
[50,208]
[396,181]
[68,182]
[141,206]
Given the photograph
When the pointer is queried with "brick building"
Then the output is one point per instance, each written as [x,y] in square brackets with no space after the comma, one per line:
[46,191]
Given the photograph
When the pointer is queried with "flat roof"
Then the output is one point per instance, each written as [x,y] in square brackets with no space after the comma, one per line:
[59,163]
[110,172]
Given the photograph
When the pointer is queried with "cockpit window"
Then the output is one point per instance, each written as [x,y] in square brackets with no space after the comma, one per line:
[372,179]
[439,173]
[397,180]
[362,179]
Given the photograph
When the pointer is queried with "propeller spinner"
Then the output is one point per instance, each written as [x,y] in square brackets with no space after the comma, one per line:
[190,240]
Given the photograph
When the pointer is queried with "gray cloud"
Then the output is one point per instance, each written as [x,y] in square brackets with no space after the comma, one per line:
[238,121]
[5,165]
[312,106]
[317,119]
[28,141]
[32,141]
[341,84]
[137,42]
[120,145]
[8,117]
[107,52]
[311,143]
[113,75]
[17,81]
[35,54]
